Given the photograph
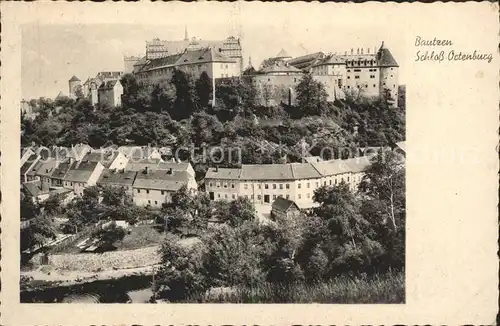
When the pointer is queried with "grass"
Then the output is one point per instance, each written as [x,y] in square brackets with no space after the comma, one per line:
[385,288]
[139,237]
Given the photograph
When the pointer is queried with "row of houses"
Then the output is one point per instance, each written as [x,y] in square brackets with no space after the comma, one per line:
[141,171]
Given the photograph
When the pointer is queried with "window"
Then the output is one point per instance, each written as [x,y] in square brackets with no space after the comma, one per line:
[225,185]
[162,192]
[281,186]
[259,197]
[210,184]
[300,185]
[300,196]
[266,186]
[348,70]
[348,86]
[218,184]
[233,196]
[287,196]
[287,186]
[225,196]
[357,70]
[330,182]
[138,191]
[374,85]
[348,77]
[347,179]
[259,185]
[149,202]
[245,186]
[324,183]
[156,203]
[308,185]
[372,76]
[356,77]
[274,197]
[232,185]
[218,195]
[308,195]
[147,191]
[274,186]
[366,86]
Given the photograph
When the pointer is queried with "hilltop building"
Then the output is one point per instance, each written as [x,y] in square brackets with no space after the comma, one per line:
[357,72]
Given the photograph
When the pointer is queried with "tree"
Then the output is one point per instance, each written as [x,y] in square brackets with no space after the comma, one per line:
[185,95]
[311,96]
[39,230]
[385,181]
[53,205]
[204,90]
[163,96]
[108,236]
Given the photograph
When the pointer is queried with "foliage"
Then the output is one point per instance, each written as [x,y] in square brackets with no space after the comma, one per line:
[311,96]
[107,236]
[39,230]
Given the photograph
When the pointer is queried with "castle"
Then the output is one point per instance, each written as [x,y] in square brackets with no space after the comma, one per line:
[104,88]
[355,73]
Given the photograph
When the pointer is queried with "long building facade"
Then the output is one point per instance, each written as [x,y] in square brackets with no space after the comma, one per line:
[264,183]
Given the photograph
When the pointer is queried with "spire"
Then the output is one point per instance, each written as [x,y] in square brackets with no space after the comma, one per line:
[250,61]
[186,37]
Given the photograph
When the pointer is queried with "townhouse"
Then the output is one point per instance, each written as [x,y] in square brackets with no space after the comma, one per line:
[81,175]
[264,183]
[118,178]
[154,188]
[112,160]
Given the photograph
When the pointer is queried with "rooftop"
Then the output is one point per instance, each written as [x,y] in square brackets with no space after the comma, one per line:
[161,180]
[81,171]
[110,177]
[283,204]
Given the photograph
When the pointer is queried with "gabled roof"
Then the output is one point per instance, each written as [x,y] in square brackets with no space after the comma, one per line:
[283,204]
[161,180]
[202,56]
[35,168]
[280,68]
[137,152]
[81,171]
[105,158]
[117,178]
[266,172]
[29,163]
[282,54]
[61,170]
[143,164]
[34,188]
[181,166]
[47,168]
[74,78]
[223,173]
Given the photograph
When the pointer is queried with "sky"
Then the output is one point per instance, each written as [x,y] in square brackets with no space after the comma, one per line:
[53,53]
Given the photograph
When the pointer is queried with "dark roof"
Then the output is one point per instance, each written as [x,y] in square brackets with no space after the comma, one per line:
[181,166]
[34,188]
[202,56]
[161,180]
[26,166]
[283,204]
[109,74]
[35,168]
[48,167]
[223,173]
[305,61]
[121,178]
[277,68]
[105,158]
[74,78]
[81,171]
[385,58]
[61,170]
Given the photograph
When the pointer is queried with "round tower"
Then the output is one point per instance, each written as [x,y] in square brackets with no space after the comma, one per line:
[74,84]
[389,71]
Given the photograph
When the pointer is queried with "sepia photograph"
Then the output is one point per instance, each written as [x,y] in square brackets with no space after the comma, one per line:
[211,164]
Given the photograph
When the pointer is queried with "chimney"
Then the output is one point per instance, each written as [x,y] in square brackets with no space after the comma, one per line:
[170,171]
[357,51]
[368,50]
[352,51]
[146,170]
[361,50]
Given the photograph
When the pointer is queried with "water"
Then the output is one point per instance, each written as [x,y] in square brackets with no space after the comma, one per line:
[130,289]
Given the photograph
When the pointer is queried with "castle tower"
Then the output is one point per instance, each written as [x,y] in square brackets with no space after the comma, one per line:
[389,73]
[74,84]
[231,47]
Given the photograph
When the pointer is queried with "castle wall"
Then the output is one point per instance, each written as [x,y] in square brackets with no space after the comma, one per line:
[389,79]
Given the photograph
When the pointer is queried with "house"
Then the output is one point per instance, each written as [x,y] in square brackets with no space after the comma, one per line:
[153,188]
[177,166]
[57,176]
[112,160]
[45,171]
[118,178]
[25,154]
[36,189]
[110,93]
[28,165]
[135,153]
[82,175]
[284,208]
[31,175]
